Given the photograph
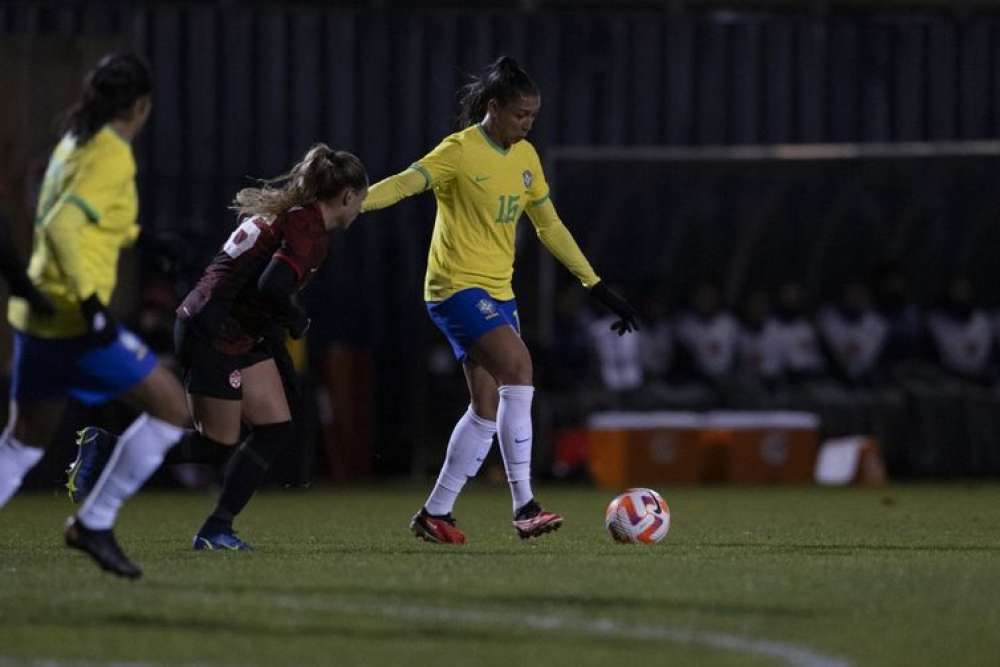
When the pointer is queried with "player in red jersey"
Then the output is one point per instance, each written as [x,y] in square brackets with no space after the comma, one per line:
[230,328]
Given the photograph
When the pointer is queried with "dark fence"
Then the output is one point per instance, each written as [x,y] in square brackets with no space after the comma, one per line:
[243,89]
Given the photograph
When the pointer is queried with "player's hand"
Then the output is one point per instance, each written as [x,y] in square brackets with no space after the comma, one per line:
[38,301]
[101,325]
[299,323]
[628,316]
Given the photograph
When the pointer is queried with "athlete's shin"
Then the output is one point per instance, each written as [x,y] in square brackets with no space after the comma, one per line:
[16,459]
[139,452]
[469,444]
[249,465]
[515,434]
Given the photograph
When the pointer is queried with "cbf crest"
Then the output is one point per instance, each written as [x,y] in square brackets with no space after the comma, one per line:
[527,178]
[487,308]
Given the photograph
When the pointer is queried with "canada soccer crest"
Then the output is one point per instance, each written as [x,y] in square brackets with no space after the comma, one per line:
[528,178]
[235,379]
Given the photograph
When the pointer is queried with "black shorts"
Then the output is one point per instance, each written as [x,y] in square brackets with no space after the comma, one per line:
[209,372]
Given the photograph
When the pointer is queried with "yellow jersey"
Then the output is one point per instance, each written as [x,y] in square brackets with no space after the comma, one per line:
[481,190]
[86,214]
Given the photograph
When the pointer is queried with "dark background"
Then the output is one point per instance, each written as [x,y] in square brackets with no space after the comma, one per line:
[242,90]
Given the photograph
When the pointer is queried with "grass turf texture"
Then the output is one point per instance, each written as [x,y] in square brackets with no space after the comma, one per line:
[903,576]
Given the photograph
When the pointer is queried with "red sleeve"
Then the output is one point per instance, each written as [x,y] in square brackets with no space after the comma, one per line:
[301,237]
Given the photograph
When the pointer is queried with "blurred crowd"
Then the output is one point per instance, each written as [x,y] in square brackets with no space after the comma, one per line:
[869,360]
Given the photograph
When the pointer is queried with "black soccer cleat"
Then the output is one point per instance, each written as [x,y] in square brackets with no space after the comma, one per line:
[102,547]
[95,448]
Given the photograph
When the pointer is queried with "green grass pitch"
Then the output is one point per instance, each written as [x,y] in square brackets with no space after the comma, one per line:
[908,575]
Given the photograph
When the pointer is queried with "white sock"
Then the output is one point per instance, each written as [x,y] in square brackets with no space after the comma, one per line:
[137,455]
[469,444]
[514,430]
[16,459]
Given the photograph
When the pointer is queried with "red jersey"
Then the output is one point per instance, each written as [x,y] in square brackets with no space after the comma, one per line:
[225,305]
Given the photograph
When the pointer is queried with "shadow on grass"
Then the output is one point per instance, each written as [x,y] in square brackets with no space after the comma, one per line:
[527,603]
[847,549]
[400,630]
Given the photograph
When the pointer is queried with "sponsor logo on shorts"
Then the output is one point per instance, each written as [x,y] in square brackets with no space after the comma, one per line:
[487,308]
[132,343]
[235,379]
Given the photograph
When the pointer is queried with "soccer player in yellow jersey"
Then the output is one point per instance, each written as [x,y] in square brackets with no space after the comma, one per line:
[86,214]
[484,177]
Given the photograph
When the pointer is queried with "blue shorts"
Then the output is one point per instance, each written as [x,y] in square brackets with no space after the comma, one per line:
[465,316]
[47,368]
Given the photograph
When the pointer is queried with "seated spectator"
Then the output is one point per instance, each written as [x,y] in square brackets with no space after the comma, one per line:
[962,334]
[854,333]
[569,355]
[803,359]
[618,357]
[894,301]
[656,339]
[758,349]
[708,333]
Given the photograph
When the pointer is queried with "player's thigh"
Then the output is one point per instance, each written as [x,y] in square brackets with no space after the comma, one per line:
[219,419]
[504,355]
[34,423]
[482,390]
[160,394]
[264,400]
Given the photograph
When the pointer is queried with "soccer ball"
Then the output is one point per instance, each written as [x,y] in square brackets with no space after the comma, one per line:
[638,515]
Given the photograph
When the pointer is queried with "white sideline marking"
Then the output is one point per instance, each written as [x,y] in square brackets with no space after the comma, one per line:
[788,653]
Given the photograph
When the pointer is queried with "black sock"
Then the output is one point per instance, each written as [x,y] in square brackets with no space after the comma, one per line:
[193,447]
[248,468]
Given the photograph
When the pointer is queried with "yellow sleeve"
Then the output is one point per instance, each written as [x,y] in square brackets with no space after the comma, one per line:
[62,232]
[538,188]
[441,164]
[435,169]
[395,188]
[554,236]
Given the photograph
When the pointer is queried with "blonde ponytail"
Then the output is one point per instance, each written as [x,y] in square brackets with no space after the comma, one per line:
[323,173]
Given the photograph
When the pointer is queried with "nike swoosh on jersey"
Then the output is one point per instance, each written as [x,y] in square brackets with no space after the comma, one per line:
[479,179]
[520,441]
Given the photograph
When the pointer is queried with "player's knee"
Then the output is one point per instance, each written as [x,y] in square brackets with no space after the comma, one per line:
[519,372]
[222,435]
[162,396]
[173,410]
[485,407]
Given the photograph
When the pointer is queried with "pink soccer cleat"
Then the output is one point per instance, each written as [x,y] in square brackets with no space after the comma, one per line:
[531,520]
[437,529]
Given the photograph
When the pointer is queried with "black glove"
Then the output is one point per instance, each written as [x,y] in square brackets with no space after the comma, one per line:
[101,325]
[298,323]
[615,303]
[38,301]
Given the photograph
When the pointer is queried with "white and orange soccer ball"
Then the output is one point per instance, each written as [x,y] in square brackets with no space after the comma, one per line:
[638,516]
